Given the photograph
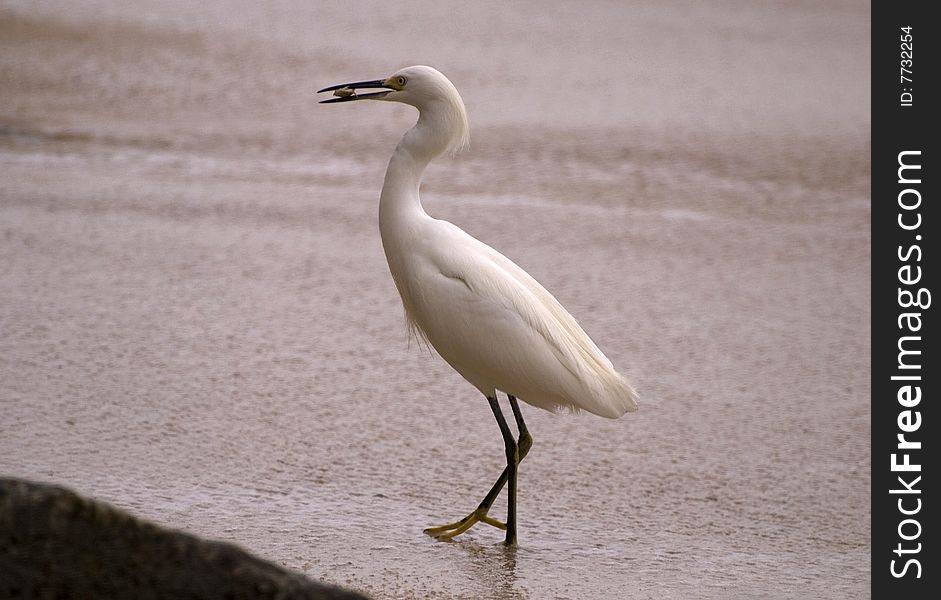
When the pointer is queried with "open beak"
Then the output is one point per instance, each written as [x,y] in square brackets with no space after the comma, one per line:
[346,92]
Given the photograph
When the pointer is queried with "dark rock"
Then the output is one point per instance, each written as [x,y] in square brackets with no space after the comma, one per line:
[56,544]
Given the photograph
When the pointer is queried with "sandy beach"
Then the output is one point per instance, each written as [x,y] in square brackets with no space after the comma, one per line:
[197,323]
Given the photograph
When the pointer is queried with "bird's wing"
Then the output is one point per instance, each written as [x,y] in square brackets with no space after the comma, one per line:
[492,277]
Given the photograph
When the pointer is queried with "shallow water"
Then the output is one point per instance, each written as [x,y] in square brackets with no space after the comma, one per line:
[197,322]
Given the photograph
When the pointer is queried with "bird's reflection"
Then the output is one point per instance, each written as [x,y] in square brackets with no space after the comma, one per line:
[495,566]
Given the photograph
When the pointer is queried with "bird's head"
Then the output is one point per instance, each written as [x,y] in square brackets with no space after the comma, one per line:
[425,88]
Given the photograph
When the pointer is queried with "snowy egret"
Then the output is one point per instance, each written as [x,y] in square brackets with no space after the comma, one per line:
[487,317]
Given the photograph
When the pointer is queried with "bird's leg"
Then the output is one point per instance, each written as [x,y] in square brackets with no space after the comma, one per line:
[512,460]
[525,442]
[450,530]
[515,451]
[521,449]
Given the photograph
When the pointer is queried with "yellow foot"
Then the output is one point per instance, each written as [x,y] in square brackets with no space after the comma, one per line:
[450,530]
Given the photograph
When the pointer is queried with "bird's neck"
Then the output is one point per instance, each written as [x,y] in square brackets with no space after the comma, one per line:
[399,202]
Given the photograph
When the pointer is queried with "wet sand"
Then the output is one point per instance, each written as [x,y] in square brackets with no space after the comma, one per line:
[197,322]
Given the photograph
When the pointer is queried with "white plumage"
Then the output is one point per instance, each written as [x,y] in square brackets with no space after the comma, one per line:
[488,318]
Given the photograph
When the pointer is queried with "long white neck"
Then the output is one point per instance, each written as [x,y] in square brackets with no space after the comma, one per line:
[399,203]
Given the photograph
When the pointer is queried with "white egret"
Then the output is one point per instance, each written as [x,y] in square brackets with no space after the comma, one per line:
[488,318]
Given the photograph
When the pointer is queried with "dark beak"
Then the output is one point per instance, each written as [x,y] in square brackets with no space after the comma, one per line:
[346,92]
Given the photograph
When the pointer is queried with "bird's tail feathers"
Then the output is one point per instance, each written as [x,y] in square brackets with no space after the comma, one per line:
[612,394]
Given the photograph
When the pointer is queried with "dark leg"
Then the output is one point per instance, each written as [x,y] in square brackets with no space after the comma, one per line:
[522,449]
[515,451]
[512,460]
[525,440]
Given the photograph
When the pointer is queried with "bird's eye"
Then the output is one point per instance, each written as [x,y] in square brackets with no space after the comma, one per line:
[402,81]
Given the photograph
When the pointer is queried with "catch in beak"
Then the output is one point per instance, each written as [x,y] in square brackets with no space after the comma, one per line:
[346,92]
